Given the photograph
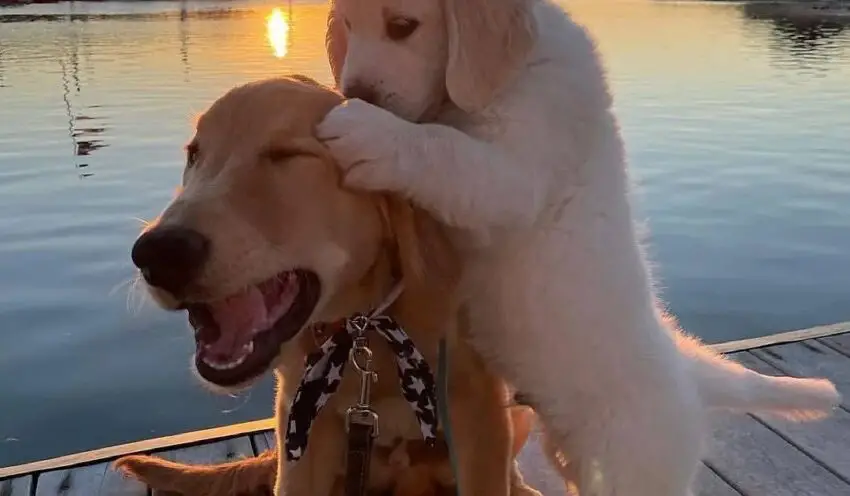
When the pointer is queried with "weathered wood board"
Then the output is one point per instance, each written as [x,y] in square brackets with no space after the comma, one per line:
[810,359]
[16,487]
[90,480]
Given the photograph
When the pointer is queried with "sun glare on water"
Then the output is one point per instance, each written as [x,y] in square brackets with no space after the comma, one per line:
[277,28]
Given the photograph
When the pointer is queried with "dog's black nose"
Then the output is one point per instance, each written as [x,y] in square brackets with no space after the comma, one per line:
[170,257]
[361,91]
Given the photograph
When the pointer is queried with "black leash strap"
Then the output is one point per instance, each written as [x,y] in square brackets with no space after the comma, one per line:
[324,370]
[357,459]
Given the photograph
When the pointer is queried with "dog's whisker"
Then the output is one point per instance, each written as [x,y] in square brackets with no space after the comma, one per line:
[136,296]
[129,282]
[133,293]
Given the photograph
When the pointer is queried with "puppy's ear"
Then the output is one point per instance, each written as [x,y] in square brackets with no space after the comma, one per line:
[488,41]
[336,42]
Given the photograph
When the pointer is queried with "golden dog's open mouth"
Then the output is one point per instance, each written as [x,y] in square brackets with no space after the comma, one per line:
[238,337]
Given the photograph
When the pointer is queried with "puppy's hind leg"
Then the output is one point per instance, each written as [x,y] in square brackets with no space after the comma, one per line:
[634,458]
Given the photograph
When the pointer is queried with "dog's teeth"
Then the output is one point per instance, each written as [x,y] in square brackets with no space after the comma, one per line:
[245,351]
[239,361]
[226,366]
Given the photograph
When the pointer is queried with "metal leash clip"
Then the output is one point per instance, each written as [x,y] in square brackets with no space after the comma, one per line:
[362,413]
[361,423]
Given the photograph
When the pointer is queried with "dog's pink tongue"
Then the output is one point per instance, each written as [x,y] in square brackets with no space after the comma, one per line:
[237,316]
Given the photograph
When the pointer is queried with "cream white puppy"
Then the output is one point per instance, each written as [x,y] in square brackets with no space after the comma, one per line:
[524,157]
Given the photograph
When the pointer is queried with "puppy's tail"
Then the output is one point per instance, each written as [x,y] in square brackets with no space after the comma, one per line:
[725,384]
[255,475]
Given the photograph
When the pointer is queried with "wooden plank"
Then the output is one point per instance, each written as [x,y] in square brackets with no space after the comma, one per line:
[16,487]
[111,452]
[264,441]
[117,484]
[759,462]
[782,338]
[840,343]
[810,359]
[81,481]
[271,439]
[708,483]
[226,450]
[827,440]
[89,480]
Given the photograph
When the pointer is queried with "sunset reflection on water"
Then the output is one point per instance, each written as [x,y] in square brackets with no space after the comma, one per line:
[277,29]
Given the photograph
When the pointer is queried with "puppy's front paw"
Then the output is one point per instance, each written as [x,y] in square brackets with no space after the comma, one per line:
[367,143]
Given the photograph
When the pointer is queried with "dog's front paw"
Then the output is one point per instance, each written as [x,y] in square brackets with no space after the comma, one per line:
[367,143]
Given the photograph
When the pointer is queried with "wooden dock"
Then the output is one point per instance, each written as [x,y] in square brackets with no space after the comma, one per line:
[749,455]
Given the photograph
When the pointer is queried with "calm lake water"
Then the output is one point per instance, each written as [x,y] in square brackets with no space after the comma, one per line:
[738,131]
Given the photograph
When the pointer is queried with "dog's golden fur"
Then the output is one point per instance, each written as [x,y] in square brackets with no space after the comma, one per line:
[267,194]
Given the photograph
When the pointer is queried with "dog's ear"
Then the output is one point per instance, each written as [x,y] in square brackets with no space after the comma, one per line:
[425,254]
[306,80]
[488,41]
[336,42]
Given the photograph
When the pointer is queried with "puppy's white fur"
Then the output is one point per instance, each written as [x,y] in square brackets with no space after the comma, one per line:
[531,170]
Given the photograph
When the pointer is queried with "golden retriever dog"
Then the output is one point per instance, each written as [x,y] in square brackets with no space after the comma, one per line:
[263,243]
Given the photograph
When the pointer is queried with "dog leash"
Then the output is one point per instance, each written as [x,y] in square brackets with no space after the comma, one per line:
[361,421]
[323,375]
[443,407]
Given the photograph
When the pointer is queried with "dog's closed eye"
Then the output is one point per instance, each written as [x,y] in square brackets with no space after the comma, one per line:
[281,153]
[400,28]
[286,148]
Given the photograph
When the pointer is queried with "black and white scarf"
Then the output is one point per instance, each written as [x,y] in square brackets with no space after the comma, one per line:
[325,367]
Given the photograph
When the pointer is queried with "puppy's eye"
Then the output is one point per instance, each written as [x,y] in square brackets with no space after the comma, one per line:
[191,155]
[400,28]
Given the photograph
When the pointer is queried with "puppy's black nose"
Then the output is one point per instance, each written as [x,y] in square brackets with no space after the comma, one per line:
[361,91]
[170,257]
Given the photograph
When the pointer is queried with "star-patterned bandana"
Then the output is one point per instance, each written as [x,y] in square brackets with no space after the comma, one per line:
[325,367]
